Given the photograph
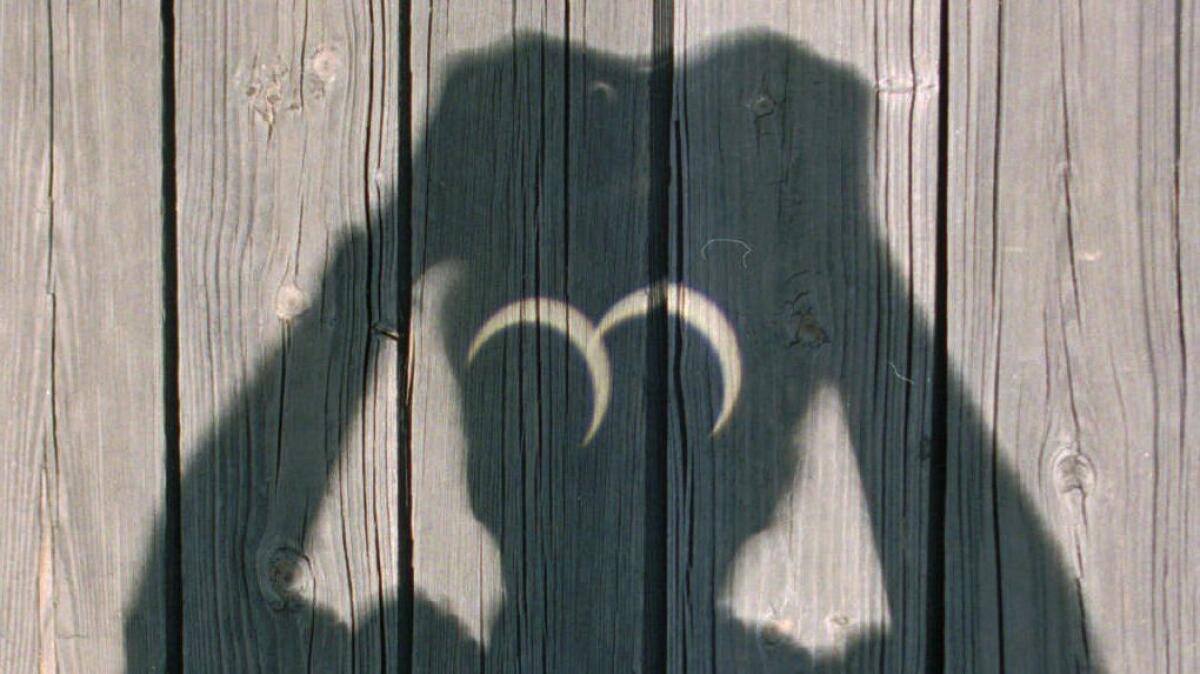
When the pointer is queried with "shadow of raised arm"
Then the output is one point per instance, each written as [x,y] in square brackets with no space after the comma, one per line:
[253,479]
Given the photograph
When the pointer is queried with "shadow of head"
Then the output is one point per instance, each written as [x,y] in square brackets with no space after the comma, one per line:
[548,176]
[546,188]
[551,174]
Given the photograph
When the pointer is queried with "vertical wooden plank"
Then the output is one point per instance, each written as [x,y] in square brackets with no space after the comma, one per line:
[287,156]
[806,168]
[26,430]
[107,432]
[86,282]
[531,180]
[385,471]
[1185,603]
[1071,301]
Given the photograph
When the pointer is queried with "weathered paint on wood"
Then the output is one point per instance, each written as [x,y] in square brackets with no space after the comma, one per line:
[1072,257]
[806,163]
[287,157]
[531,179]
[82,302]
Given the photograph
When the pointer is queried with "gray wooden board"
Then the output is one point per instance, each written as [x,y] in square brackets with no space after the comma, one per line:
[1186,498]
[1185,543]
[106,276]
[289,408]
[806,164]
[26,332]
[1072,257]
[531,178]
[82,288]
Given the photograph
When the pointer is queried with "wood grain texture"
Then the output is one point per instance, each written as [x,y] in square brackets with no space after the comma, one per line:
[1072,300]
[27,635]
[806,164]
[289,408]
[531,178]
[780,158]
[106,277]
[83,272]
[1185,604]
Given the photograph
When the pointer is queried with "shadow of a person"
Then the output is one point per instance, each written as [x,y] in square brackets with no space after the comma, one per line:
[572,568]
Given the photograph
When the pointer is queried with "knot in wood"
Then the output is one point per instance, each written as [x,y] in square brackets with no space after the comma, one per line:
[290,302]
[837,623]
[1073,472]
[807,331]
[266,91]
[763,104]
[327,63]
[285,578]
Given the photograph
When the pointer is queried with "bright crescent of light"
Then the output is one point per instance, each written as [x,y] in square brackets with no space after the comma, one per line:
[569,321]
[705,317]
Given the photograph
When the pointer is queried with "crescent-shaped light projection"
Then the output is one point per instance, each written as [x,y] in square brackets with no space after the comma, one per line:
[703,315]
[568,320]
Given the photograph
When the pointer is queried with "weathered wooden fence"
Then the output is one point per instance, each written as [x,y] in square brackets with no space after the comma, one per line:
[953,261]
